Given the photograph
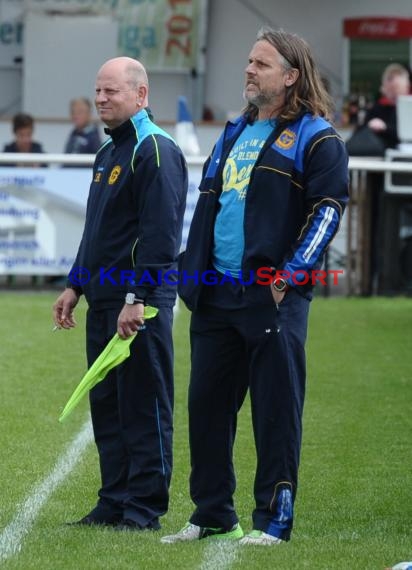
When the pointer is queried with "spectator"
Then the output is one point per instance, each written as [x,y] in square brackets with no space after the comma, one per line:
[381,118]
[85,136]
[23,127]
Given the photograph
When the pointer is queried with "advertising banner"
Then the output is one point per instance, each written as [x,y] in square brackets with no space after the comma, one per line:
[42,213]
[377,28]
[165,34]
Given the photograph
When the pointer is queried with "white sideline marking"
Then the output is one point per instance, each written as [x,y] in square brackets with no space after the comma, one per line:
[219,554]
[12,536]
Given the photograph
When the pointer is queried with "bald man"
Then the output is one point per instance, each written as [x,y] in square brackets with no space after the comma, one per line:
[131,239]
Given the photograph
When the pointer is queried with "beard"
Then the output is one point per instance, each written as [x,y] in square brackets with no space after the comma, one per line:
[260,98]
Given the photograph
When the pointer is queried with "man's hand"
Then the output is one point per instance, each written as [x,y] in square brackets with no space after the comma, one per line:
[377,125]
[63,309]
[130,319]
[277,295]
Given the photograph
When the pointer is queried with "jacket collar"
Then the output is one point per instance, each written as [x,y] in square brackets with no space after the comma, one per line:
[123,131]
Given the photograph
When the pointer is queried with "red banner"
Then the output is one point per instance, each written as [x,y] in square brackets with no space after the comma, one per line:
[377,28]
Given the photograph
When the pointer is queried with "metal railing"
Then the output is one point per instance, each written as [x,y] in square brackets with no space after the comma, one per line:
[360,275]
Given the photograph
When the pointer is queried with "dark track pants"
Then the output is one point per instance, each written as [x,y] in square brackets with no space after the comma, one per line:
[262,348]
[132,411]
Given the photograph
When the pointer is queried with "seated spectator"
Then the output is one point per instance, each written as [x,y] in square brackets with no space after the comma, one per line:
[23,127]
[85,137]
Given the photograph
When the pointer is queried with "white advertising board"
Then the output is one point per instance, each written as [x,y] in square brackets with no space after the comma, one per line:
[42,213]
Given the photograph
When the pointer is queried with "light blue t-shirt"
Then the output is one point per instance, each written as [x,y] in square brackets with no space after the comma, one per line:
[229,239]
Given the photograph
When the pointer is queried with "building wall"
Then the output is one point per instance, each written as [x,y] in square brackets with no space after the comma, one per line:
[232,26]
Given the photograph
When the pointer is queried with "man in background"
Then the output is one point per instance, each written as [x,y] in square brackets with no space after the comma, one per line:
[85,137]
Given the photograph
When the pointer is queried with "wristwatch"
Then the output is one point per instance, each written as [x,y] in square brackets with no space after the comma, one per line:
[280,285]
[131,299]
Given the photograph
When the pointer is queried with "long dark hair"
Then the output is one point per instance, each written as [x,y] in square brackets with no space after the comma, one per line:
[308,92]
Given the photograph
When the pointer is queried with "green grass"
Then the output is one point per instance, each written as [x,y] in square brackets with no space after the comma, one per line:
[354,503]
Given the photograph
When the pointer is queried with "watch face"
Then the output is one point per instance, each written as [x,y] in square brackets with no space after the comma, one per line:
[130,298]
[279,285]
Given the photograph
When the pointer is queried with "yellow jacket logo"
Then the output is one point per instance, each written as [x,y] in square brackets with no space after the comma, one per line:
[114,175]
[286,139]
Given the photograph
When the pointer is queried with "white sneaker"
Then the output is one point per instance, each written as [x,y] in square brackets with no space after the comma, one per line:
[188,532]
[260,538]
[193,532]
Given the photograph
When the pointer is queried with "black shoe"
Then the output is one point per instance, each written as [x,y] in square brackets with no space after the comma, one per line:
[129,524]
[90,520]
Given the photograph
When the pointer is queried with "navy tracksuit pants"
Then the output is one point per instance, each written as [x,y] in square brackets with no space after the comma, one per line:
[259,347]
[132,412]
